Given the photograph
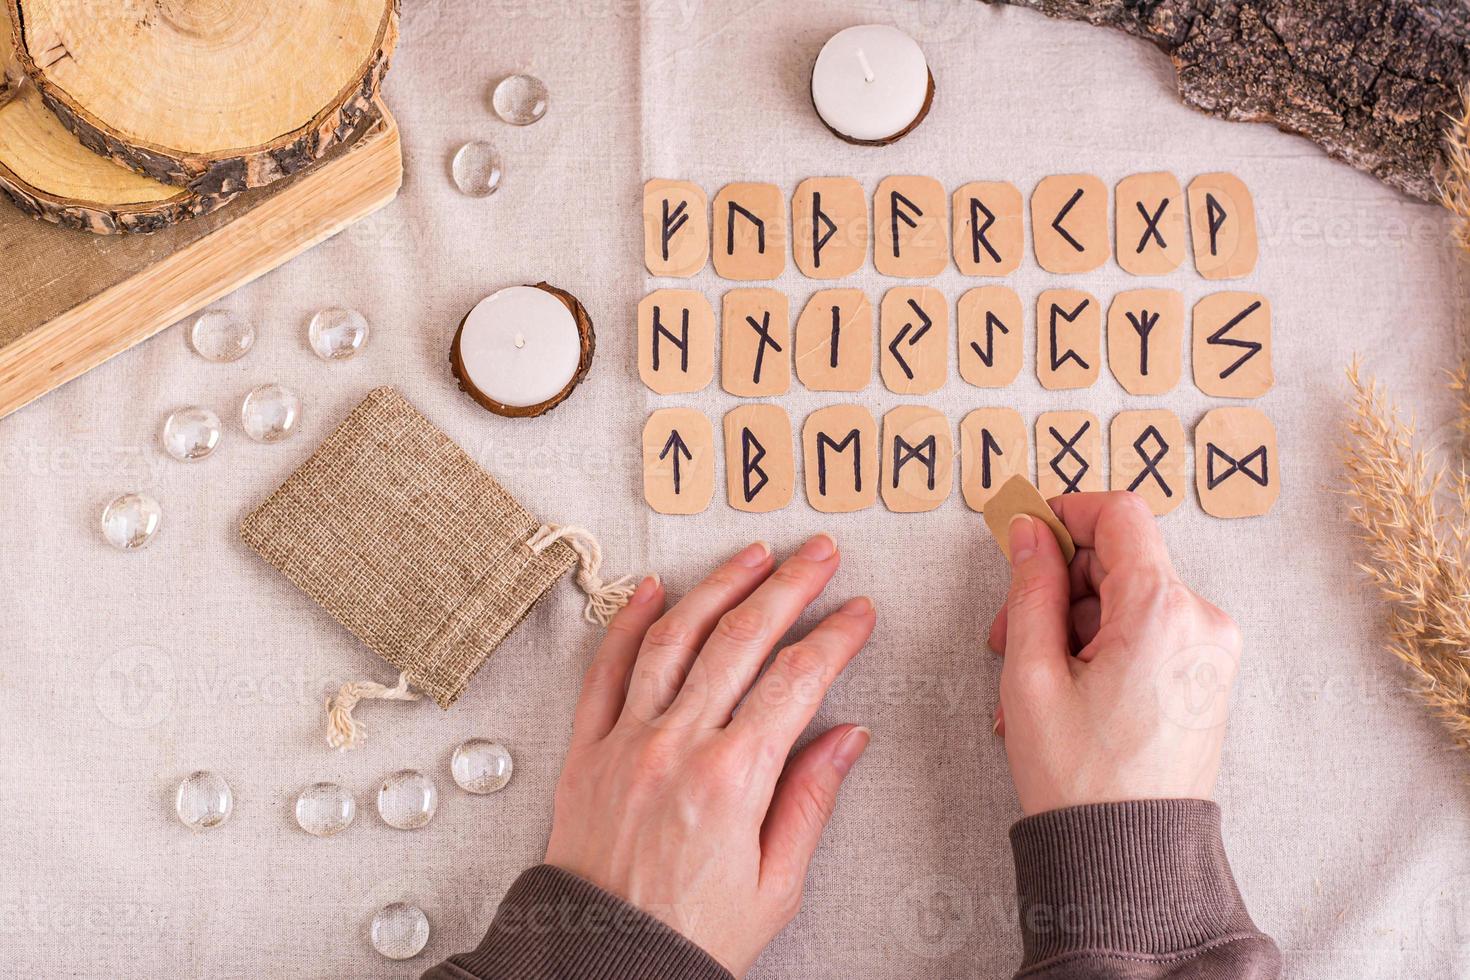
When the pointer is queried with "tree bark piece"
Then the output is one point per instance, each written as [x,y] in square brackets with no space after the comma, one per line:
[1370,81]
[49,174]
[216,97]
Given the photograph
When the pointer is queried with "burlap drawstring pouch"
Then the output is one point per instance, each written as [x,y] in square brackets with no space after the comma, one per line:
[421,554]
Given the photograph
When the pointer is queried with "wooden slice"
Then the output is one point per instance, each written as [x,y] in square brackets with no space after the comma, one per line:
[49,174]
[215,96]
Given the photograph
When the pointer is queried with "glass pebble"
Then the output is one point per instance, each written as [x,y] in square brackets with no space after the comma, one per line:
[325,809]
[407,800]
[400,931]
[476,169]
[481,766]
[270,413]
[130,521]
[204,800]
[217,335]
[337,333]
[191,433]
[519,99]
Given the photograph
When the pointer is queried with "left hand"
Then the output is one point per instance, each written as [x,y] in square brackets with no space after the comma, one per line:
[678,803]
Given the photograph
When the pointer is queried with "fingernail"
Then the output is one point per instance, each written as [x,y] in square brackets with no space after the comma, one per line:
[861,606]
[646,590]
[1022,536]
[754,554]
[995,728]
[818,548]
[850,748]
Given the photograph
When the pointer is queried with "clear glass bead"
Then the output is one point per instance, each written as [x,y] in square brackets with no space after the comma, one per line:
[476,169]
[519,99]
[407,800]
[481,766]
[270,413]
[191,433]
[204,800]
[130,521]
[400,931]
[218,335]
[325,809]
[337,333]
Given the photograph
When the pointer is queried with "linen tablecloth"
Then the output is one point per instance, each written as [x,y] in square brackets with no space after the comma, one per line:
[1345,811]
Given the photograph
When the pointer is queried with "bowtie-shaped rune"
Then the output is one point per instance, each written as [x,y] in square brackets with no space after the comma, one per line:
[1260,475]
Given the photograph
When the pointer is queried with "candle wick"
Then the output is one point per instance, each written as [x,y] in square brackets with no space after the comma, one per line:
[862,58]
[520,340]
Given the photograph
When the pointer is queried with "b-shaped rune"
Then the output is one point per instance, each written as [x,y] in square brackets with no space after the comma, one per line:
[760,467]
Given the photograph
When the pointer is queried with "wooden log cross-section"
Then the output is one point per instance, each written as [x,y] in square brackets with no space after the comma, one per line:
[49,174]
[215,96]
[1370,81]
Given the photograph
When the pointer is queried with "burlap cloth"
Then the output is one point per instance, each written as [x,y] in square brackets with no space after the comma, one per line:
[408,543]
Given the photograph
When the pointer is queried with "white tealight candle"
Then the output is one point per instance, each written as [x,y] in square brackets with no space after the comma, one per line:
[871,84]
[519,351]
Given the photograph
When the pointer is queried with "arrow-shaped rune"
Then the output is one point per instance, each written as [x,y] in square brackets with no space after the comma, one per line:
[1056,222]
[676,446]
[903,334]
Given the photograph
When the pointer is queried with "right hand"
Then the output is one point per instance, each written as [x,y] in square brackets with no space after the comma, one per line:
[1116,681]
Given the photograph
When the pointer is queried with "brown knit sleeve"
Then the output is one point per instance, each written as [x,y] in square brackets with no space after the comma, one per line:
[553,925]
[1133,891]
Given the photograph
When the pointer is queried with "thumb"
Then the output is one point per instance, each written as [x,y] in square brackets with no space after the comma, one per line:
[1039,601]
[803,802]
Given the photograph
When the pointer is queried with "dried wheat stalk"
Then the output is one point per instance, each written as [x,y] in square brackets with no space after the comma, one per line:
[1413,514]
[1415,522]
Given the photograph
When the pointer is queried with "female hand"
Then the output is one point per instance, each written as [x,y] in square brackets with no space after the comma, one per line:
[678,803]
[1116,682]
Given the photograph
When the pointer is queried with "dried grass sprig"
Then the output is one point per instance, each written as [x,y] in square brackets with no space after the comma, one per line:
[1454,188]
[1414,519]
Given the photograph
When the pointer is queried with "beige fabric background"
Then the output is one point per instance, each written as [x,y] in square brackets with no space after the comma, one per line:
[1345,813]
